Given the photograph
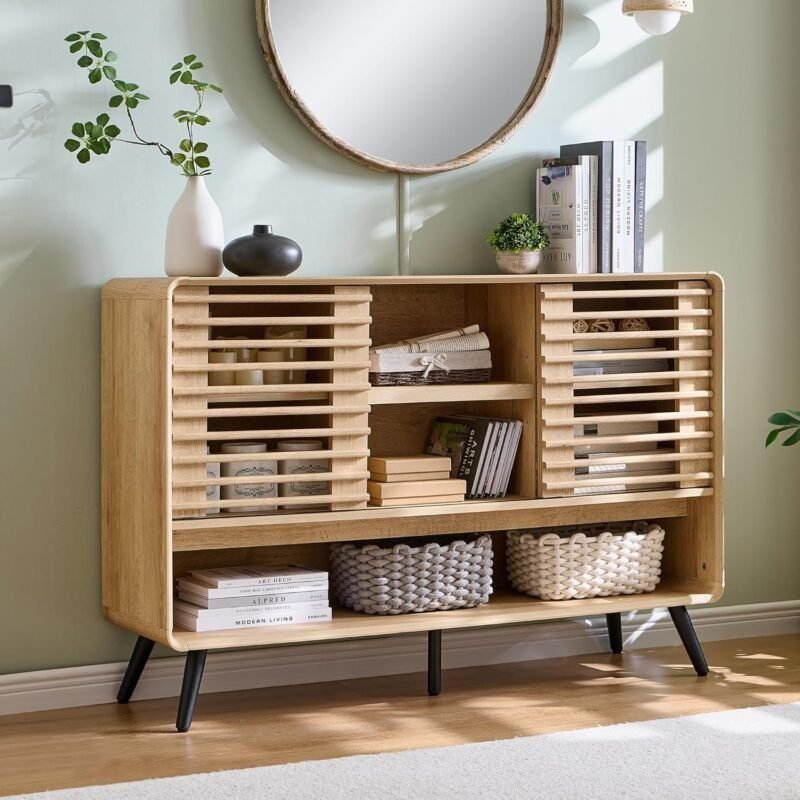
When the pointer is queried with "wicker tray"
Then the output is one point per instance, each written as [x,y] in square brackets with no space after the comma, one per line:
[418,378]
[403,579]
[596,562]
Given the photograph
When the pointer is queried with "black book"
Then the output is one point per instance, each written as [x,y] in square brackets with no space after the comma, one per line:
[605,163]
[640,191]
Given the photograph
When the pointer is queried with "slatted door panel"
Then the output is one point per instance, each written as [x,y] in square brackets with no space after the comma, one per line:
[322,395]
[623,429]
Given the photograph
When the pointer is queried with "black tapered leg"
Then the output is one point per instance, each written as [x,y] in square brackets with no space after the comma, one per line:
[192,676]
[141,652]
[434,663]
[614,622]
[683,623]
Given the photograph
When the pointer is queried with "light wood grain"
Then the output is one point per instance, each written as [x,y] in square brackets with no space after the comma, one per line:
[435,393]
[136,557]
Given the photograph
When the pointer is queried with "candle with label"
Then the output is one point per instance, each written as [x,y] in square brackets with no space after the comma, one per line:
[248,468]
[304,468]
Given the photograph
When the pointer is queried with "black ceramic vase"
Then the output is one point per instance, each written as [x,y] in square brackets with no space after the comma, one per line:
[262,253]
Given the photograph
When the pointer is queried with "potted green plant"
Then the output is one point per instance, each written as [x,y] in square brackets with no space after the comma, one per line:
[785,421]
[518,242]
[194,230]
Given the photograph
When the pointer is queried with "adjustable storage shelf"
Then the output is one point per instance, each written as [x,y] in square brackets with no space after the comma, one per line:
[163,409]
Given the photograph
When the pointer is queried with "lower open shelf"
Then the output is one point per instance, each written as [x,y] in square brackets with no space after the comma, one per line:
[504,608]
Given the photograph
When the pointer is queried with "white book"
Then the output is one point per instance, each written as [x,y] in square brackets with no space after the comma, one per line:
[589,245]
[629,208]
[492,473]
[247,611]
[265,620]
[558,198]
[594,188]
[510,458]
[204,590]
[260,575]
[617,212]
[621,368]
[275,599]
[484,458]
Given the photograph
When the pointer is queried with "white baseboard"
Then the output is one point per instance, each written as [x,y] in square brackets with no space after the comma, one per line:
[280,666]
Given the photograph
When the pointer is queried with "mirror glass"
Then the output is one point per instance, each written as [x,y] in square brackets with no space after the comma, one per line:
[410,85]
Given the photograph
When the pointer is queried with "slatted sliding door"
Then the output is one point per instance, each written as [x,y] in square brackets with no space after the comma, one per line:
[621,430]
[314,386]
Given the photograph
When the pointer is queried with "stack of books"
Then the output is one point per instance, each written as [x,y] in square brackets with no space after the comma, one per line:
[591,200]
[608,364]
[412,480]
[596,450]
[482,450]
[251,597]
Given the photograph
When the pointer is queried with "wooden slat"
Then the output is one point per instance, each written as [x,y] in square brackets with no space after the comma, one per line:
[555,392]
[229,458]
[657,456]
[633,480]
[260,435]
[633,313]
[188,393]
[690,360]
[635,438]
[634,397]
[672,333]
[623,356]
[234,344]
[265,479]
[602,294]
[266,389]
[672,375]
[657,416]
[270,411]
[277,298]
[238,322]
[266,366]
[251,502]
[350,323]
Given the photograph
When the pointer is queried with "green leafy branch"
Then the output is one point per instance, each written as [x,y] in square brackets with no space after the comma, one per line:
[518,232]
[96,137]
[785,421]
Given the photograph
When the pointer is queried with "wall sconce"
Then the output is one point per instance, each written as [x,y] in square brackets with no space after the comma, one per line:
[657,16]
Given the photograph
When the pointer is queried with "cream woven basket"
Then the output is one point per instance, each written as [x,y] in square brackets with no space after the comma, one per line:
[570,564]
[402,579]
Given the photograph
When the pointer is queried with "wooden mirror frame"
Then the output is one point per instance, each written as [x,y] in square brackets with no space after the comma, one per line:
[555,15]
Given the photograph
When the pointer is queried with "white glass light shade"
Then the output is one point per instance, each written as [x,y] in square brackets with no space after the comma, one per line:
[657,22]
[657,17]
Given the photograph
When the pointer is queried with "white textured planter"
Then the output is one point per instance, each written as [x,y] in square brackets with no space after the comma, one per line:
[194,234]
[524,262]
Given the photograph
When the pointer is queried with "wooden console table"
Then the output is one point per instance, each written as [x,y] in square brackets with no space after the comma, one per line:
[159,415]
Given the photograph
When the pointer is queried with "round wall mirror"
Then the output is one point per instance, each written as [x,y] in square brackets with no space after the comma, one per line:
[416,86]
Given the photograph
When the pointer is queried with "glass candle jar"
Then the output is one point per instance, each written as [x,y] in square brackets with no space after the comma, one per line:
[248,468]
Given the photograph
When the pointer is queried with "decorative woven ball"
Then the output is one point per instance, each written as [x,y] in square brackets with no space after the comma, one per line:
[602,326]
[634,324]
[580,326]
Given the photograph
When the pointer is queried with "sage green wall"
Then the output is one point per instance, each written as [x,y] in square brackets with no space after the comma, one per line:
[717,99]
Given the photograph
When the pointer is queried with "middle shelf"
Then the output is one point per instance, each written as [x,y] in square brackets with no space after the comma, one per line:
[446,393]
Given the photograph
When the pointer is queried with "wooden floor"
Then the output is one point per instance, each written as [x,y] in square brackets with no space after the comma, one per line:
[110,743]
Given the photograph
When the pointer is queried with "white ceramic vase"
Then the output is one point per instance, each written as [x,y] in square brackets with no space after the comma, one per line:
[194,233]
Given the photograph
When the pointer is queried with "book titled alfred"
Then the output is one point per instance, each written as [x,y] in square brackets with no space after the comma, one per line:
[246,597]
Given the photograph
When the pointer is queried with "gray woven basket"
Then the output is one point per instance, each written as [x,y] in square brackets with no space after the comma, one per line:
[402,579]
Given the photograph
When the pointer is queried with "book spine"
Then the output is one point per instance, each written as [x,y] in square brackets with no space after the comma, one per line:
[577,178]
[628,206]
[618,174]
[273,581]
[593,221]
[475,453]
[641,194]
[251,611]
[244,591]
[256,601]
[263,621]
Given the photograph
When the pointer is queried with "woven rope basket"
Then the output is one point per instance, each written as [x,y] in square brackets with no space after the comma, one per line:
[402,579]
[598,562]
[435,377]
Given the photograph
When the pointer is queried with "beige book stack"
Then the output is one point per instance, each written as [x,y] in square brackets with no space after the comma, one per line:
[413,480]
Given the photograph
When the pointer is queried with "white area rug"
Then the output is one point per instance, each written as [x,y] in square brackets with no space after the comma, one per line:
[750,754]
